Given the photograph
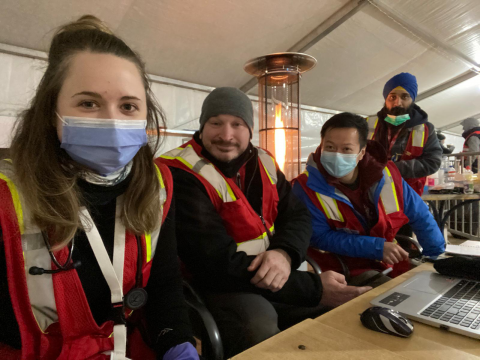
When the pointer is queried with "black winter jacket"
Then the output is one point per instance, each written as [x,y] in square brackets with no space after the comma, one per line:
[210,254]
[426,164]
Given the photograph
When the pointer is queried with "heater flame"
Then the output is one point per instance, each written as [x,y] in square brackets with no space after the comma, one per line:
[280,143]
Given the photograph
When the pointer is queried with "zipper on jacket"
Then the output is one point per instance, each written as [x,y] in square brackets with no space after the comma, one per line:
[239,181]
[269,234]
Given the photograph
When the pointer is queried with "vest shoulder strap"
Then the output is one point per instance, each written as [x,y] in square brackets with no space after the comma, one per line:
[268,163]
[8,176]
[189,158]
[372,122]
[388,195]
[418,135]
[328,204]
[166,186]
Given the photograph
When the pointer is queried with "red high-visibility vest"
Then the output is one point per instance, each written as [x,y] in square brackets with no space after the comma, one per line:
[414,149]
[242,223]
[341,217]
[52,311]
[465,146]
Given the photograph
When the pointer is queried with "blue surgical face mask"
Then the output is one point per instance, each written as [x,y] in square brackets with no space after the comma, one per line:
[338,165]
[103,145]
[397,120]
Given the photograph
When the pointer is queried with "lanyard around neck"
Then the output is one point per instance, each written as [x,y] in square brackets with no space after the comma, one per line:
[113,273]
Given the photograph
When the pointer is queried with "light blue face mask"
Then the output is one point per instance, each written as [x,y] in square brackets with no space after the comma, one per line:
[338,165]
[103,145]
[397,120]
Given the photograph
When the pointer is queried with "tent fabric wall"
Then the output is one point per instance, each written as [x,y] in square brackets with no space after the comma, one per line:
[182,106]
[208,42]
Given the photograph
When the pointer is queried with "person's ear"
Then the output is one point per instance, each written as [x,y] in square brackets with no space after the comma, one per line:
[361,154]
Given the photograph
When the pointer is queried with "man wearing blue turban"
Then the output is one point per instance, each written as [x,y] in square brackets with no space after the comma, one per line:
[402,127]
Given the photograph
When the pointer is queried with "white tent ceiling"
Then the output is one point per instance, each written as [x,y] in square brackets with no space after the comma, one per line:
[208,41]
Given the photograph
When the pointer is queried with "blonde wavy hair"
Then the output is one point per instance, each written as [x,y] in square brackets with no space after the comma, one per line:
[46,175]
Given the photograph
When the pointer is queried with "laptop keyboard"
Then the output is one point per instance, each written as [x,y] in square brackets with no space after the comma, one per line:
[460,305]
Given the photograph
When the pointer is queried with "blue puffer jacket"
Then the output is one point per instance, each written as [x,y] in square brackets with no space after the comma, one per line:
[343,243]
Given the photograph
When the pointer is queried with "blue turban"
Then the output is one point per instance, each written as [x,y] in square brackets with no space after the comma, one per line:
[406,81]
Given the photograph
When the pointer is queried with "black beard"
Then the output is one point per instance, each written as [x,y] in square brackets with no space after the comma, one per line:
[399,110]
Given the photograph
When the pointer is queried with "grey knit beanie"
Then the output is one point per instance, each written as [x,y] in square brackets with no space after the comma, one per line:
[228,101]
[470,123]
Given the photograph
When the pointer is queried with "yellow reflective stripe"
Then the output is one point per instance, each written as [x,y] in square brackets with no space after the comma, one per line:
[159,175]
[394,191]
[16,201]
[339,213]
[269,165]
[230,192]
[219,194]
[263,236]
[182,160]
[330,207]
[268,174]
[148,244]
[323,206]
[179,159]
[148,236]
[208,172]
[371,130]
[415,140]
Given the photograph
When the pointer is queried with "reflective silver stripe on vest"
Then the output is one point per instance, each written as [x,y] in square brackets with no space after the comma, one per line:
[40,287]
[35,253]
[254,247]
[258,245]
[189,158]
[269,164]
[372,122]
[152,239]
[204,168]
[330,207]
[418,135]
[388,195]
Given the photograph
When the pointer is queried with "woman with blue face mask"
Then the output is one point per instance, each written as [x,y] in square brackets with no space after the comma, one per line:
[87,240]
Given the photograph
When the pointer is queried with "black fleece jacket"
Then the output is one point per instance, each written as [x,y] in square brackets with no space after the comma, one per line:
[210,254]
[165,307]
[426,164]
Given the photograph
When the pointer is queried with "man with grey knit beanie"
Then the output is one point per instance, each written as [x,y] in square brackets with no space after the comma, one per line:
[241,232]
[227,100]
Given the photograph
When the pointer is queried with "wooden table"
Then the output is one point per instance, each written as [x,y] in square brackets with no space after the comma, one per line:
[340,335]
[434,197]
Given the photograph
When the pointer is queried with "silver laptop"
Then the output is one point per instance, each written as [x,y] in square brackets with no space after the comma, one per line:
[448,303]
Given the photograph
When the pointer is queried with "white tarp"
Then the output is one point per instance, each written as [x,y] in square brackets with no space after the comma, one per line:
[208,42]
